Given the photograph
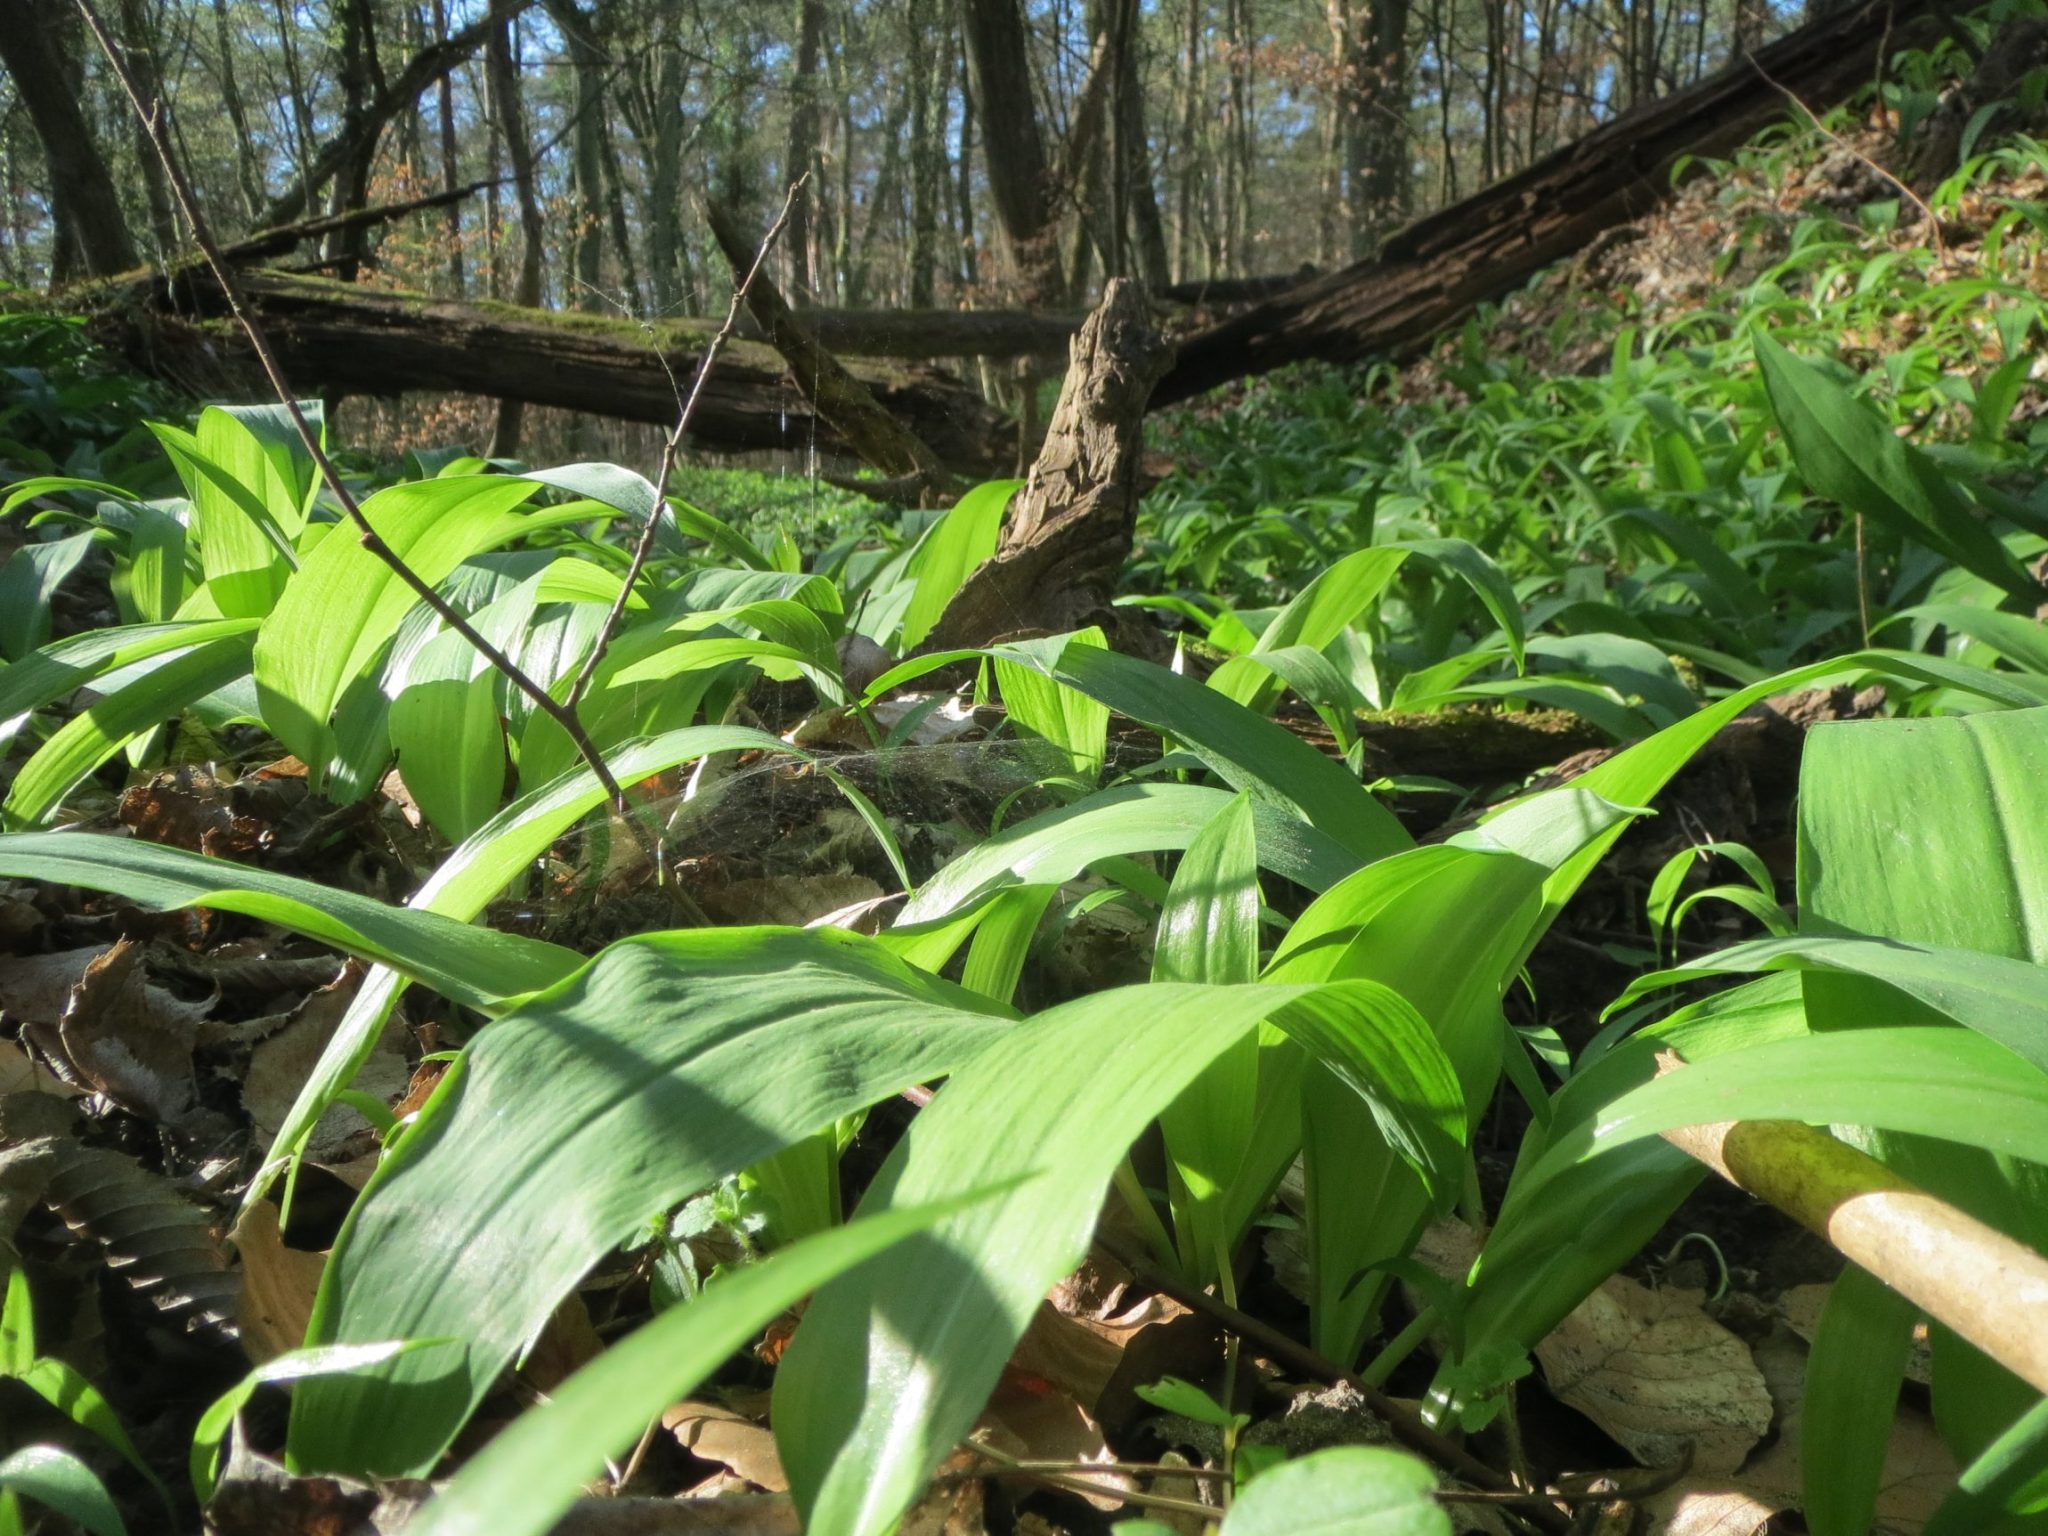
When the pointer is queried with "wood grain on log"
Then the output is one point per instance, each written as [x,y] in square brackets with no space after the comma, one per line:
[1069,530]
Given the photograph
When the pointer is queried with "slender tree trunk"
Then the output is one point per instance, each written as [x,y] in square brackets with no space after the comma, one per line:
[1013,147]
[1134,150]
[91,233]
[802,159]
[140,51]
[586,140]
[248,170]
[502,62]
[929,56]
[444,104]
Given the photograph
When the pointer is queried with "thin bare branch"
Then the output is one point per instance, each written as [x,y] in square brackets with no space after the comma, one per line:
[705,362]
[152,115]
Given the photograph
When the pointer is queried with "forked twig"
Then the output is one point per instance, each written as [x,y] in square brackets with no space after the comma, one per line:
[152,114]
[645,546]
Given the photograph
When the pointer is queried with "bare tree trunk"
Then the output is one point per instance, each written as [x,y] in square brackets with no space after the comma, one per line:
[91,233]
[586,141]
[1013,148]
[248,172]
[361,82]
[140,51]
[503,64]
[803,148]
[1134,149]
[929,56]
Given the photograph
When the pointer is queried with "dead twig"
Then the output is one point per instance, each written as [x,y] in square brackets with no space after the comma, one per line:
[152,116]
[705,362]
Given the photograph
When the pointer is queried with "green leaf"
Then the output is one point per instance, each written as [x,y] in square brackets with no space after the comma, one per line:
[1190,1402]
[523,1481]
[469,965]
[1136,818]
[2010,1477]
[707,1050]
[2004,1000]
[1930,1080]
[1347,1490]
[1209,932]
[345,603]
[1036,702]
[633,495]
[110,722]
[17,1325]
[1852,1390]
[891,1366]
[64,1389]
[1849,454]
[67,665]
[467,881]
[28,580]
[949,551]
[211,1432]
[58,1479]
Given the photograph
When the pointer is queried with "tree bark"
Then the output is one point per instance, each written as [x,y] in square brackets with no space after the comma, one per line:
[1013,148]
[92,235]
[587,149]
[1437,270]
[1068,534]
[802,158]
[503,64]
[382,342]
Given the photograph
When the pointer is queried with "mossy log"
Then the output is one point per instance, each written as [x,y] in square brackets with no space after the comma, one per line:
[378,341]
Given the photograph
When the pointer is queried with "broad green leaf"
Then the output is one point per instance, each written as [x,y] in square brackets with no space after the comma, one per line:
[1002,940]
[1849,454]
[1137,818]
[1209,932]
[1313,618]
[67,665]
[1852,1390]
[949,551]
[706,1051]
[466,882]
[17,1325]
[473,966]
[2004,1000]
[1037,702]
[890,1366]
[529,1474]
[60,1481]
[1347,1490]
[211,1432]
[65,1390]
[109,723]
[29,578]
[345,602]
[1247,750]
[1930,1080]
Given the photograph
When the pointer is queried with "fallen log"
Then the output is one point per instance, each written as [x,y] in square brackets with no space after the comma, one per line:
[372,341]
[1431,274]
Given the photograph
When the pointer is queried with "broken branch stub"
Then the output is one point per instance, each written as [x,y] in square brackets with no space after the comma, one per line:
[1069,530]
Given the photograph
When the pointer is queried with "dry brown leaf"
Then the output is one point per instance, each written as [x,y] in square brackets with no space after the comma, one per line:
[732,1439]
[568,1341]
[1100,1362]
[132,1041]
[1028,1420]
[280,1066]
[1654,1371]
[21,1073]
[35,988]
[278,1285]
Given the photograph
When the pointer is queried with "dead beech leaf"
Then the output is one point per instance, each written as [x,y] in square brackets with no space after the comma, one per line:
[20,1073]
[281,1064]
[133,1041]
[1654,1371]
[568,1341]
[35,988]
[278,1285]
[731,1439]
[1030,1421]
[1100,1362]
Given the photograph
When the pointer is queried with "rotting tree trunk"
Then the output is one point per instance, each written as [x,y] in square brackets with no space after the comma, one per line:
[382,342]
[825,383]
[1437,270]
[1068,534]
